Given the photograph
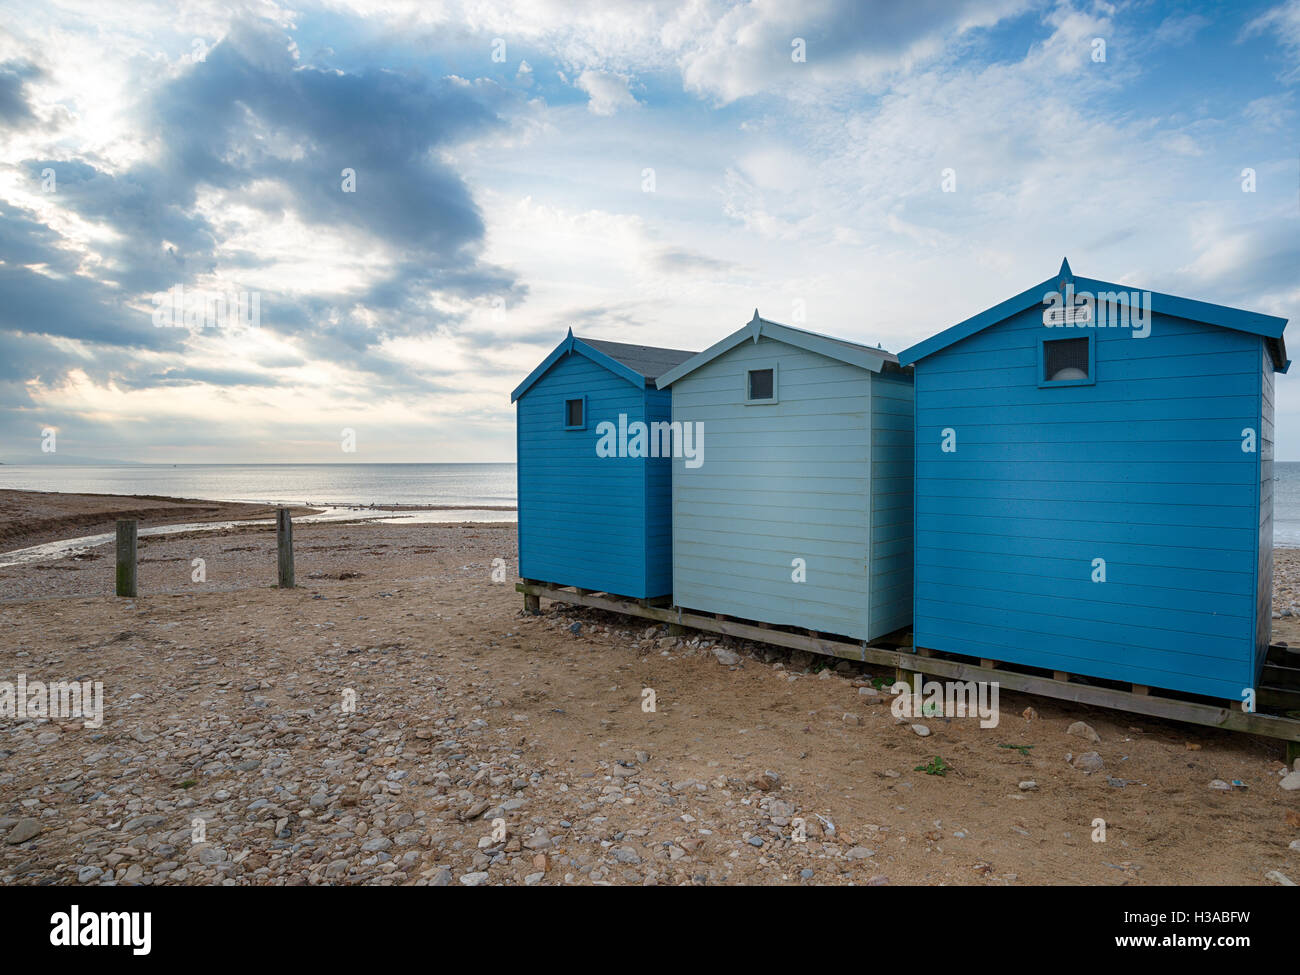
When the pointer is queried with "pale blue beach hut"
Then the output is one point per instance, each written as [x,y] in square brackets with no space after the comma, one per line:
[797,510]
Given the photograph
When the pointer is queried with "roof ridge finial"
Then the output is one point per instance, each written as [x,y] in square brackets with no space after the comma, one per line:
[1066,273]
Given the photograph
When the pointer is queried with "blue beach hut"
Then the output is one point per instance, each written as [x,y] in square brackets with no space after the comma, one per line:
[797,510]
[1094,486]
[594,499]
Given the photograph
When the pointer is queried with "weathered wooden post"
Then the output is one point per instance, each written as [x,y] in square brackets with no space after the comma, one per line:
[284,546]
[126,549]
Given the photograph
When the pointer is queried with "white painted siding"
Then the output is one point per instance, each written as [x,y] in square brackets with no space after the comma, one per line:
[792,480]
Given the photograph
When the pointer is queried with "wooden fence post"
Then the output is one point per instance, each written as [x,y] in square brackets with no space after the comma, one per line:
[126,565]
[284,546]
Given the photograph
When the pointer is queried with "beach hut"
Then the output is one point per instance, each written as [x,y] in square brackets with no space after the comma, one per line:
[1094,486]
[797,508]
[594,506]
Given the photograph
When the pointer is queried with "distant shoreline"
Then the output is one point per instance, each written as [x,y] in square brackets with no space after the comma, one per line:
[29,518]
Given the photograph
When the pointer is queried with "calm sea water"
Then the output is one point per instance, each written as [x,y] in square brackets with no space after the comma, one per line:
[458,485]
[1286,504]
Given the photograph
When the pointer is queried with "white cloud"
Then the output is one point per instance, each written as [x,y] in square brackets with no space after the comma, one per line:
[607,93]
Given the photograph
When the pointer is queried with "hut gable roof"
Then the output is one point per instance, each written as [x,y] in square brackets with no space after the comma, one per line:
[646,360]
[1269,327]
[853,353]
[638,364]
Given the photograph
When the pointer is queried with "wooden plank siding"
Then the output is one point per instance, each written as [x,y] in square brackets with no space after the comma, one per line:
[892,462]
[1264,573]
[1143,468]
[793,479]
[659,503]
[585,520]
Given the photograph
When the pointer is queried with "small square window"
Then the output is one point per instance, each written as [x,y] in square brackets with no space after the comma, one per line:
[575,413]
[1067,361]
[762,384]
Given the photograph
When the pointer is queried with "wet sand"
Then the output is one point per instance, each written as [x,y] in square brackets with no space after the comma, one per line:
[35,517]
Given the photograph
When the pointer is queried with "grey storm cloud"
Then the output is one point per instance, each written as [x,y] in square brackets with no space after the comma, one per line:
[56,302]
[227,122]
[275,135]
[15,112]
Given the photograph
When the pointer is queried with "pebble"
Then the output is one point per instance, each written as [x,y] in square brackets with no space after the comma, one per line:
[1029,785]
[540,840]
[765,781]
[1083,730]
[921,730]
[23,831]
[1290,782]
[1089,762]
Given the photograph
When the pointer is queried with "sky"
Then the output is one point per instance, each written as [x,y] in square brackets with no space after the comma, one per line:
[405,206]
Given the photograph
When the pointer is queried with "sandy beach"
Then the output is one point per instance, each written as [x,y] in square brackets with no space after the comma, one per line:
[486,746]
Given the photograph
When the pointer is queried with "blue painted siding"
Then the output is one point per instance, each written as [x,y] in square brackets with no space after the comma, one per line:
[659,502]
[1264,576]
[1144,469]
[892,461]
[583,518]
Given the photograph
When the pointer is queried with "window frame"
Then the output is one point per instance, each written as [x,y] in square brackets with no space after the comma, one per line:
[1041,365]
[575,399]
[776,383]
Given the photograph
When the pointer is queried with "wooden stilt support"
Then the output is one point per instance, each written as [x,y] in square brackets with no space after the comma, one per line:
[942,667]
